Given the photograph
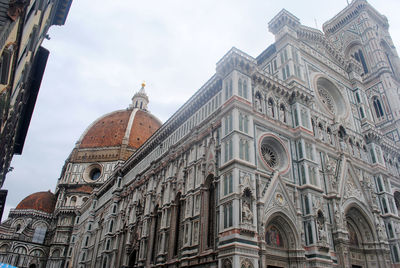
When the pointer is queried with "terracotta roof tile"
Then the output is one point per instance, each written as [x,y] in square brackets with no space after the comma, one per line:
[41,201]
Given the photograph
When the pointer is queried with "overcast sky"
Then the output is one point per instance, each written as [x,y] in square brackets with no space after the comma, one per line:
[107,48]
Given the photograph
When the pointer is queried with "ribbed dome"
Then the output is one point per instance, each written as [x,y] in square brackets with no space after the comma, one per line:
[41,201]
[131,127]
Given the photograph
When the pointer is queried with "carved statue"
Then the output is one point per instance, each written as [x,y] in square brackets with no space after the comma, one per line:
[338,219]
[321,233]
[247,214]
[330,168]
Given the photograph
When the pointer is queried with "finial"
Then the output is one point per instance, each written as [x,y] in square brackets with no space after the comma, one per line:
[143,84]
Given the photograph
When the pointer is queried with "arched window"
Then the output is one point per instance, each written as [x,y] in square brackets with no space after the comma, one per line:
[114,209]
[5,61]
[309,231]
[178,216]
[227,263]
[378,107]
[20,250]
[384,205]
[156,233]
[362,60]
[306,205]
[358,55]
[397,201]
[40,233]
[303,174]
[105,262]
[37,253]
[211,214]
[110,228]
[390,230]
[395,253]
[73,201]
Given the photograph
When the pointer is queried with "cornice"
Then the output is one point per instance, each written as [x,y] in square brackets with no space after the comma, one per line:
[290,91]
[344,16]
[236,59]
[349,13]
[31,212]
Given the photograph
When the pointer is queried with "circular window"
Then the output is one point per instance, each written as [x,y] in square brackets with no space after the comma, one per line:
[330,97]
[92,173]
[273,153]
[95,174]
[269,155]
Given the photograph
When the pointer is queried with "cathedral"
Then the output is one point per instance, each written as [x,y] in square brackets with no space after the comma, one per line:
[286,160]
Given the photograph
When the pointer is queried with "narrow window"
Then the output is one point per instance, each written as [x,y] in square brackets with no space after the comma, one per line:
[211,216]
[110,229]
[378,107]
[362,115]
[306,205]
[177,223]
[303,174]
[240,87]
[309,234]
[390,230]
[245,89]
[362,59]
[39,235]
[300,149]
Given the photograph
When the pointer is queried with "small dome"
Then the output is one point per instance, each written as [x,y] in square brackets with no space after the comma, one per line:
[41,201]
[131,127]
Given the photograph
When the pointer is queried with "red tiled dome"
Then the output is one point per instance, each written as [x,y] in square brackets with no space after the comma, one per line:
[111,129]
[41,201]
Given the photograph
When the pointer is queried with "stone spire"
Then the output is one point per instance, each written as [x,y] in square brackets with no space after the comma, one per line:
[140,99]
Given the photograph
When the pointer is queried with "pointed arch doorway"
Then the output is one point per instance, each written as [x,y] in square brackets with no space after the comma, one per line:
[361,246]
[280,239]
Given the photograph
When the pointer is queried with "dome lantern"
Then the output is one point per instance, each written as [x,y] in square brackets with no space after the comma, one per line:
[140,100]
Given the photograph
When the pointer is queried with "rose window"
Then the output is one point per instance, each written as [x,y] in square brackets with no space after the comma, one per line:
[273,153]
[330,97]
[269,155]
[326,99]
